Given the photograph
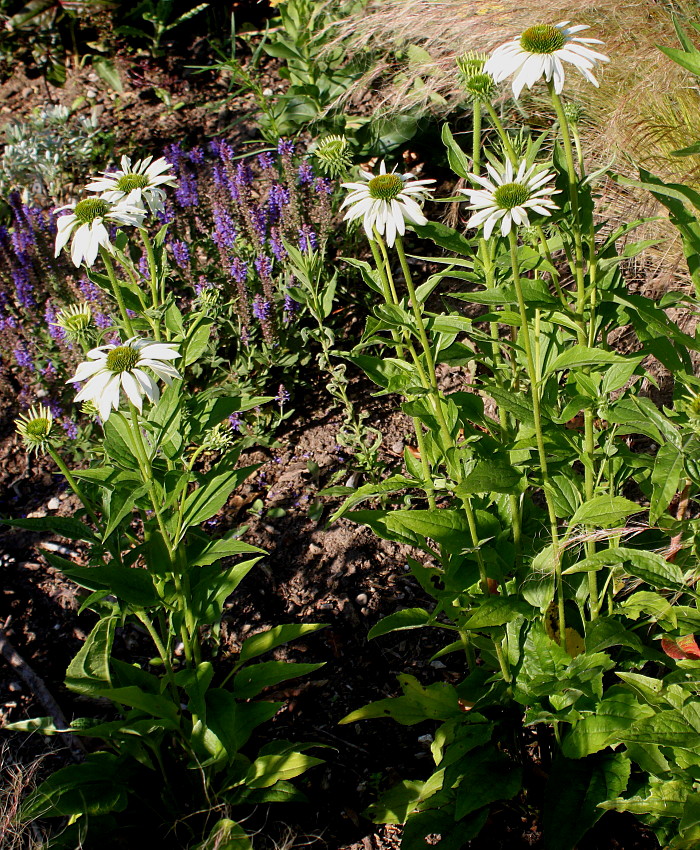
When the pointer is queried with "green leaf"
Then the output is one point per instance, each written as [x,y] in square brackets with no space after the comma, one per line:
[226,835]
[68,527]
[498,610]
[212,495]
[604,632]
[121,503]
[573,794]
[435,702]
[197,340]
[266,770]
[263,642]
[211,587]
[88,672]
[250,681]
[579,355]
[392,484]
[136,697]
[459,161]
[664,729]
[445,237]
[504,780]
[495,475]
[615,713]
[446,527]
[388,373]
[689,61]
[233,722]
[220,549]
[409,618]
[604,511]
[94,787]
[397,803]
[666,798]
[665,479]
[107,71]
[117,443]
[130,584]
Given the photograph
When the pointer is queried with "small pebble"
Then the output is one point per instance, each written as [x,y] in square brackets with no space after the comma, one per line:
[90,93]
[53,504]
[437,665]
[14,687]
[362,599]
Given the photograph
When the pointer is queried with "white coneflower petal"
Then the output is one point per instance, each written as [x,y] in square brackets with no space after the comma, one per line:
[540,52]
[139,184]
[510,198]
[113,367]
[385,203]
[85,224]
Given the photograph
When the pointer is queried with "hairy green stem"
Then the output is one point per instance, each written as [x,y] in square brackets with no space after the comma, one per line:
[155,298]
[500,129]
[535,394]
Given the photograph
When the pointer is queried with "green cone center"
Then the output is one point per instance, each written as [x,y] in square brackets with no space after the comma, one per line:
[74,322]
[90,209]
[543,38]
[38,429]
[385,187]
[123,358]
[129,182]
[482,84]
[511,195]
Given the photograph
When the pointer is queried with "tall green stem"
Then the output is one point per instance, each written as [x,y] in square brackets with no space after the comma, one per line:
[535,393]
[155,296]
[500,129]
[116,290]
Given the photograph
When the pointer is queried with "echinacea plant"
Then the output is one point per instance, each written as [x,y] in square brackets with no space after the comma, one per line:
[568,606]
[171,753]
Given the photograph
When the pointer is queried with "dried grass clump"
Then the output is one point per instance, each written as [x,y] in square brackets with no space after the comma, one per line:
[16,780]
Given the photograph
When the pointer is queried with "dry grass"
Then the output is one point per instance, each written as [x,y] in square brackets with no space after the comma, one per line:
[16,780]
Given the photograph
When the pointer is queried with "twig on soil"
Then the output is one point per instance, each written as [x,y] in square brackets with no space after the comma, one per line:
[40,691]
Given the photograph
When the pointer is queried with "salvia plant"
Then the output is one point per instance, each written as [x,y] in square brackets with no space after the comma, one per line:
[168,750]
[550,501]
[229,218]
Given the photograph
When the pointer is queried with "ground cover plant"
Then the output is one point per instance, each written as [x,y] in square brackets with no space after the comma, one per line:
[543,500]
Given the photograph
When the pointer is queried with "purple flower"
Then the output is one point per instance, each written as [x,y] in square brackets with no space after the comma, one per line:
[196,155]
[323,186]
[224,229]
[290,308]
[266,160]
[235,421]
[186,193]
[54,407]
[285,147]
[305,173]
[259,220]
[89,290]
[261,308]
[244,176]
[220,178]
[50,314]
[103,322]
[181,253]
[307,239]
[174,154]
[202,284]
[278,198]
[23,357]
[70,428]
[49,371]
[23,286]
[277,246]
[282,395]
[143,266]
[239,270]
[166,215]
[263,265]
[222,149]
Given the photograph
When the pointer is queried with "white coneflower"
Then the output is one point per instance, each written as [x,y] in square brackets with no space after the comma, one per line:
[540,52]
[34,427]
[385,202]
[508,196]
[86,224]
[113,366]
[136,183]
